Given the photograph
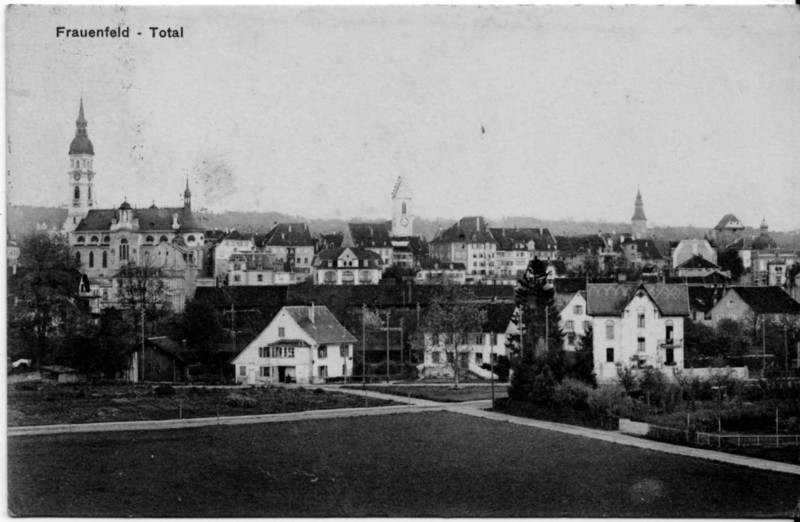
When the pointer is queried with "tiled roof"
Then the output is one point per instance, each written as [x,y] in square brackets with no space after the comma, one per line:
[572,245]
[646,247]
[517,238]
[149,219]
[466,230]
[714,278]
[325,329]
[767,299]
[289,234]
[697,261]
[498,315]
[167,345]
[418,245]
[360,253]
[257,260]
[330,240]
[569,285]
[743,243]
[763,242]
[703,298]
[611,299]
[370,235]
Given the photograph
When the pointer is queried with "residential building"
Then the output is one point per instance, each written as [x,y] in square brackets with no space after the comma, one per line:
[371,236]
[516,247]
[258,269]
[643,252]
[469,241]
[478,348]
[728,230]
[690,248]
[231,243]
[574,321]
[698,266]
[637,325]
[303,344]
[770,267]
[433,272]
[293,245]
[743,303]
[347,266]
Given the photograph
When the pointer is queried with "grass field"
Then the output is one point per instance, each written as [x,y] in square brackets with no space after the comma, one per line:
[76,404]
[442,393]
[427,464]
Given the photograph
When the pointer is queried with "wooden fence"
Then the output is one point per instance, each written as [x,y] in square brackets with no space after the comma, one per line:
[719,439]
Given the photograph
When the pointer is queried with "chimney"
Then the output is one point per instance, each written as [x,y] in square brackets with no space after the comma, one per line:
[311,312]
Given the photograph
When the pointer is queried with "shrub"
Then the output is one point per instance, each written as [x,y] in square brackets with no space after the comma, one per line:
[572,393]
[164,390]
[26,386]
[602,399]
[240,401]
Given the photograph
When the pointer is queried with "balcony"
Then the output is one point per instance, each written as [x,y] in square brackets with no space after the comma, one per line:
[670,343]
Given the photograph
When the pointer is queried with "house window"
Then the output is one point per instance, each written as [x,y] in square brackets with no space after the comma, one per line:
[322,352]
[478,338]
[94,239]
[237,278]
[106,239]
[569,326]
[436,357]
[77,192]
[260,278]
[344,351]
[123,250]
[478,359]
[587,325]
[105,259]
[330,277]
[493,337]
[323,371]
[640,323]
[436,338]
[263,352]
[91,259]
[281,331]
[289,352]
[265,371]
[609,355]
[162,239]
[243,370]
[577,310]
[81,239]
[609,329]
[640,344]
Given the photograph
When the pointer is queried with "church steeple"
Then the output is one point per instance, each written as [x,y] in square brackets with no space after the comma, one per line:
[639,221]
[187,196]
[81,176]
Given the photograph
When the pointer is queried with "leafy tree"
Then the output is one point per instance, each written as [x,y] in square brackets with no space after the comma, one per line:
[700,341]
[452,315]
[534,298]
[100,350]
[46,287]
[582,366]
[201,327]
[730,260]
[141,291]
[591,266]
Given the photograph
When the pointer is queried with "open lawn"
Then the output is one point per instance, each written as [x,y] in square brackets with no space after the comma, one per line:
[443,392]
[45,403]
[426,464]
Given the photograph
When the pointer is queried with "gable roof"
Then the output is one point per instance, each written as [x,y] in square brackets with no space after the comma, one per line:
[697,261]
[325,329]
[149,219]
[517,238]
[498,316]
[370,235]
[288,234]
[726,220]
[333,240]
[333,254]
[466,230]
[767,299]
[611,299]
[703,298]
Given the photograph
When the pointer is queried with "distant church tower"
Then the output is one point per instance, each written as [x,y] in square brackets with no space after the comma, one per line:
[402,218]
[187,197]
[81,175]
[639,221]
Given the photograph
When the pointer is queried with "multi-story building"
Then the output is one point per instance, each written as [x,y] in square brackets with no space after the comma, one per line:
[637,325]
[516,247]
[231,243]
[347,266]
[574,321]
[468,241]
[292,244]
[258,269]
[374,237]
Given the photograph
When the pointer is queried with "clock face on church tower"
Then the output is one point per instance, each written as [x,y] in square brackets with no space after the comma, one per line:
[77,176]
[404,222]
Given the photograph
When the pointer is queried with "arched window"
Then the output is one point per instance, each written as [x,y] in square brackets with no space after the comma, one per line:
[78,257]
[91,259]
[123,250]
[90,192]
[77,192]
[105,259]
[190,239]
[150,239]
[609,329]
[330,277]
[93,240]
[81,239]
[162,239]
[404,207]
[106,239]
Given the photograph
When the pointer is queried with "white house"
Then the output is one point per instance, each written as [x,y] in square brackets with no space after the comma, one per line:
[347,266]
[574,320]
[480,348]
[303,344]
[637,325]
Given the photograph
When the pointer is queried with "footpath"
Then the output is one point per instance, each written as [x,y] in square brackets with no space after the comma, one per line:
[412,405]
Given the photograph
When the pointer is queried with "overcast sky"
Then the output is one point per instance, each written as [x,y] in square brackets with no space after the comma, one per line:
[551,112]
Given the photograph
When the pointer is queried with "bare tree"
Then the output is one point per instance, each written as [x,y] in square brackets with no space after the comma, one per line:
[142,291]
[452,315]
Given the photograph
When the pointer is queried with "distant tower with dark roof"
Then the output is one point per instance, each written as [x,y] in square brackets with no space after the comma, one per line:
[402,217]
[639,221]
[81,176]
[187,196]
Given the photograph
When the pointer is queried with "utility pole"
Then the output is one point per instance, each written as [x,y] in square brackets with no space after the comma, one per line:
[364,345]
[388,312]
[763,345]
[142,343]
[401,340]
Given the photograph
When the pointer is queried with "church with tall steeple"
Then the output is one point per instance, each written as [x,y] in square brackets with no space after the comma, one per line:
[402,217]
[639,221]
[81,176]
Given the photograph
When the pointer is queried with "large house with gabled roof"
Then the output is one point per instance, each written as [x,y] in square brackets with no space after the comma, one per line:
[347,266]
[637,325]
[293,245]
[468,241]
[303,344]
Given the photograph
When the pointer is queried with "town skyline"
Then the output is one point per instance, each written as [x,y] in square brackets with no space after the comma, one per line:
[333,146]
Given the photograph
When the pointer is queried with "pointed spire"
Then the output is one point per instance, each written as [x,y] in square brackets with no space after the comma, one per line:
[81,144]
[638,212]
[81,118]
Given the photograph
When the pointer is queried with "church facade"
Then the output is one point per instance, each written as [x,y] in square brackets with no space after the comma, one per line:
[104,241]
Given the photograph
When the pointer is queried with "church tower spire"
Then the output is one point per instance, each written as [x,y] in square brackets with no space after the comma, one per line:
[402,217]
[639,221]
[187,196]
[80,198]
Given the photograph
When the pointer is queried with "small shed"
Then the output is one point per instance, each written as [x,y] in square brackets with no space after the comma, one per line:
[63,374]
[160,360]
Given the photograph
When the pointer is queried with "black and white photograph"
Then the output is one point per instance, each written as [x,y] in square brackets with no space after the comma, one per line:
[463,261]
